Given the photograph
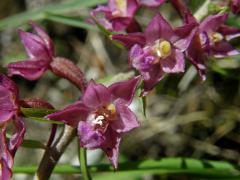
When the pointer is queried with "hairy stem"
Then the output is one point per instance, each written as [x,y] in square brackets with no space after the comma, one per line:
[53,153]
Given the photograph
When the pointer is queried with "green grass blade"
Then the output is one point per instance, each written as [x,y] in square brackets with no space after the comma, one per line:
[57,8]
[71,21]
[166,166]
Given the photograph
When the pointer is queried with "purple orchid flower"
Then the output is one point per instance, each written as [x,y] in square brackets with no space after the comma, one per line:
[158,51]
[9,110]
[102,116]
[39,48]
[151,3]
[118,15]
[211,37]
[235,6]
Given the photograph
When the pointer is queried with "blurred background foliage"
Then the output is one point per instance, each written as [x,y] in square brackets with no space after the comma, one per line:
[185,117]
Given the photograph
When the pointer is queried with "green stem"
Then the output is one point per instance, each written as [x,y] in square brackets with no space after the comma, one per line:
[83,162]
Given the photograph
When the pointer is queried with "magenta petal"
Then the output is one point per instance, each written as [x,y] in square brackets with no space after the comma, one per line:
[158,28]
[42,34]
[8,108]
[197,57]
[34,45]
[120,23]
[17,137]
[71,115]
[223,49]
[89,138]
[8,99]
[229,32]
[6,160]
[212,23]
[151,78]
[111,146]
[132,6]
[29,69]
[174,63]
[124,90]
[151,3]
[186,34]
[126,120]
[96,95]
[129,40]
[235,6]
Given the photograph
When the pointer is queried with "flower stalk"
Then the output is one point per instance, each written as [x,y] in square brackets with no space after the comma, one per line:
[83,163]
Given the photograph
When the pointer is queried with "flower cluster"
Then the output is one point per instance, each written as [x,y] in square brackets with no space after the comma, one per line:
[161,49]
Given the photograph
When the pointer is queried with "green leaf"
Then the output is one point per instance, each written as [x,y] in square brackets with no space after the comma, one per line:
[36,112]
[71,21]
[38,14]
[44,120]
[28,143]
[167,167]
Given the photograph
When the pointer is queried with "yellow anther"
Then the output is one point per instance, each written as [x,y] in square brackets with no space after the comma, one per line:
[217,37]
[112,109]
[162,48]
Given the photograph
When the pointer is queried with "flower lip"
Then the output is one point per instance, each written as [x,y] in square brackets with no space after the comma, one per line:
[101,118]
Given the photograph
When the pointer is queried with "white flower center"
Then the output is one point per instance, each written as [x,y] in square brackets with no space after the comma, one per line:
[98,120]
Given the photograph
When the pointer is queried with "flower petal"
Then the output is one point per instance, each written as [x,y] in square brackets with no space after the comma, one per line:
[229,32]
[72,114]
[124,90]
[174,63]
[17,137]
[197,56]
[212,23]
[158,28]
[111,146]
[96,95]
[89,138]
[34,46]
[29,69]
[223,49]
[151,78]
[151,3]
[129,40]
[120,23]
[126,120]
[44,36]
[8,99]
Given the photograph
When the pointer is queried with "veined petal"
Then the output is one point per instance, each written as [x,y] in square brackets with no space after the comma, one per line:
[111,146]
[96,95]
[72,114]
[158,28]
[89,137]
[29,69]
[124,90]
[132,6]
[126,120]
